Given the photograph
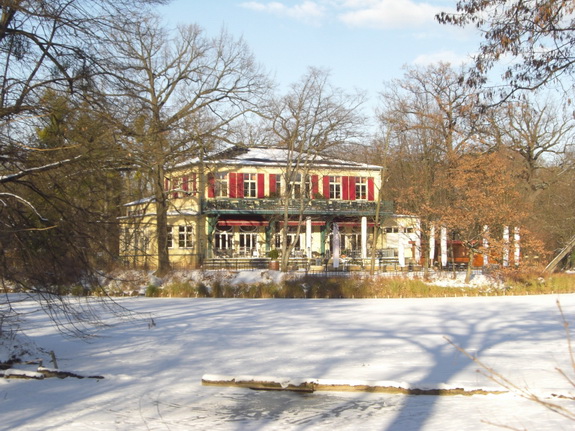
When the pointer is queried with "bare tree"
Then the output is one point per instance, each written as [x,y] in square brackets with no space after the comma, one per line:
[310,119]
[538,35]
[538,134]
[174,94]
[431,122]
[50,51]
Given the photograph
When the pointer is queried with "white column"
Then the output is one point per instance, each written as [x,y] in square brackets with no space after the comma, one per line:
[517,245]
[431,244]
[506,246]
[308,237]
[336,245]
[364,237]
[400,248]
[417,256]
[485,245]
[443,242]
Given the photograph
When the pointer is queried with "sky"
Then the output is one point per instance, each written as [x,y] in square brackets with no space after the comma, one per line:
[362,43]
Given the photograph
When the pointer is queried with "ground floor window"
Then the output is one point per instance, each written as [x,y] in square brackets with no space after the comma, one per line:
[292,238]
[248,240]
[185,236]
[170,237]
[224,239]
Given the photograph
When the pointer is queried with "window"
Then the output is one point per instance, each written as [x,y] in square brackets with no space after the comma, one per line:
[292,238]
[296,188]
[126,239]
[361,188]
[185,236]
[250,186]
[301,186]
[335,187]
[221,185]
[175,187]
[141,241]
[223,238]
[248,238]
[170,237]
[350,240]
[189,184]
[391,229]
[278,190]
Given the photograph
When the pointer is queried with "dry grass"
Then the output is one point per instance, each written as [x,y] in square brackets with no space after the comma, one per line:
[505,282]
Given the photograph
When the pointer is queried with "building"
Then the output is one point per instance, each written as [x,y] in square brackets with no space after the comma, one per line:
[234,205]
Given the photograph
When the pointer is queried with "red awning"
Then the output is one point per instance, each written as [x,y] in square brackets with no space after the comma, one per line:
[242,223]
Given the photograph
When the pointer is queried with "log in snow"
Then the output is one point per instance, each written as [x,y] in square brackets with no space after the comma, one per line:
[312,385]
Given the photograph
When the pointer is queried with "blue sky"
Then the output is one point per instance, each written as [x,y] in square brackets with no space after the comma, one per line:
[362,42]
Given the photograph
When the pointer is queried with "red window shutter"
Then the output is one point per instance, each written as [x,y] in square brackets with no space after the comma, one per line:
[233,187]
[175,186]
[370,190]
[261,185]
[345,187]
[166,184]
[240,186]
[273,184]
[194,188]
[185,183]
[326,186]
[211,185]
[352,195]
[314,186]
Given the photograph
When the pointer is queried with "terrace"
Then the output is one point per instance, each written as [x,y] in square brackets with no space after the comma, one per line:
[277,206]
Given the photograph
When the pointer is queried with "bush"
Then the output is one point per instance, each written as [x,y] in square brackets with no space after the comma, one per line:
[153,291]
[78,290]
[180,290]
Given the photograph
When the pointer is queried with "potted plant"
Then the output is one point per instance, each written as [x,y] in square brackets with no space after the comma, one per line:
[274,263]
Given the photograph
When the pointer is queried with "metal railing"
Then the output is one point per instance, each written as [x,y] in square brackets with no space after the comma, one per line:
[294,206]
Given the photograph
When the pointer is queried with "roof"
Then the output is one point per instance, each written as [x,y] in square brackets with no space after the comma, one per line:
[269,156]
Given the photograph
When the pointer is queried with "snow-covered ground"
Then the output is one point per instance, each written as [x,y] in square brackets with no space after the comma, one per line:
[152,374]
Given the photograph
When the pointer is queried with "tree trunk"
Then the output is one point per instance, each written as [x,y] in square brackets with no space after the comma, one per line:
[469,266]
[161,222]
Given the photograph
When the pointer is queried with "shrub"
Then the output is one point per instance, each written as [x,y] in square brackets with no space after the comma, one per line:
[180,290]
[78,290]
[153,291]
[203,290]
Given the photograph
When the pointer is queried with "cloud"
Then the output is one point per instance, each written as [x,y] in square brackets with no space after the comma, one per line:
[388,14]
[385,14]
[307,11]
[451,57]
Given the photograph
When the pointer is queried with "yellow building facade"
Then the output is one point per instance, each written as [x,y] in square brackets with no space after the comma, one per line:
[233,205]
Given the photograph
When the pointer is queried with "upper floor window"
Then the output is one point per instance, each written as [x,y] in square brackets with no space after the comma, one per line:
[181,186]
[361,188]
[221,185]
[250,186]
[335,187]
[278,186]
[301,186]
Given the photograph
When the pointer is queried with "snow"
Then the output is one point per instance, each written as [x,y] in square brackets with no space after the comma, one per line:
[153,373]
[269,156]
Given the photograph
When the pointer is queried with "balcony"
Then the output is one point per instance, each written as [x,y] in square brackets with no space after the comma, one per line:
[317,207]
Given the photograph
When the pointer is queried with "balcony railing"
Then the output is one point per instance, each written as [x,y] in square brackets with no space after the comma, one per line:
[278,206]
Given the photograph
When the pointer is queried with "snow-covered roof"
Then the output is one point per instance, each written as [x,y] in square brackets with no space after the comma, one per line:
[269,156]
